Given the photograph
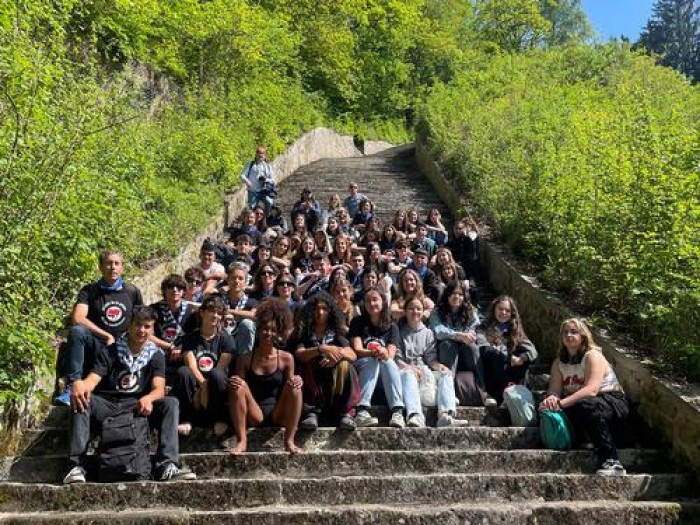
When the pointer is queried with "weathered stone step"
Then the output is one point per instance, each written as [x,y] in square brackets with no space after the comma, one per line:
[55,441]
[209,465]
[58,416]
[224,494]
[525,513]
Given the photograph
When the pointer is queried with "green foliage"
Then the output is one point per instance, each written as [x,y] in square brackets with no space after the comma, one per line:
[587,160]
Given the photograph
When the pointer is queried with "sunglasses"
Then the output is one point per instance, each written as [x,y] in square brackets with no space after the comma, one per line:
[195,282]
[174,287]
[286,284]
[267,273]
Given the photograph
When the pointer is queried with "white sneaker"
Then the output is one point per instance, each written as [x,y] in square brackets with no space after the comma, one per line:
[490,402]
[76,475]
[611,467]
[397,420]
[171,472]
[415,421]
[364,419]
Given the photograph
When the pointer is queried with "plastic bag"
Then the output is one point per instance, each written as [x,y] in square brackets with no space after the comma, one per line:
[427,386]
[521,406]
[554,430]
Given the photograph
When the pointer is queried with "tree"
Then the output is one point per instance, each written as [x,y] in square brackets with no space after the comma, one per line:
[673,32]
[569,22]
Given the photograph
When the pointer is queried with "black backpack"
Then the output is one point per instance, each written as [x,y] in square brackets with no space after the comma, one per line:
[124,449]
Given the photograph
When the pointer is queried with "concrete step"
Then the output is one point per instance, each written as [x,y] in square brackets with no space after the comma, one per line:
[433,489]
[55,441]
[210,465]
[526,513]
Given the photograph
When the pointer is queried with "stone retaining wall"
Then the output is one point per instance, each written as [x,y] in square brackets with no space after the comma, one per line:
[317,144]
[672,408]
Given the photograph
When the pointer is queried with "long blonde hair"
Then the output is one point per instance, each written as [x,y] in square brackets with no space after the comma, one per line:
[587,342]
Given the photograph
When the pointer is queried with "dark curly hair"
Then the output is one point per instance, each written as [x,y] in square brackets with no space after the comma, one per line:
[277,311]
[305,320]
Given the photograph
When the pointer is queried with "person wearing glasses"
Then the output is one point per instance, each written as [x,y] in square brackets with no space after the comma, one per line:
[194,279]
[202,381]
[173,319]
[100,316]
[264,282]
[285,288]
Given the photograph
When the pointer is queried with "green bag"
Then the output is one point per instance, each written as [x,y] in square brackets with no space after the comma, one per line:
[554,430]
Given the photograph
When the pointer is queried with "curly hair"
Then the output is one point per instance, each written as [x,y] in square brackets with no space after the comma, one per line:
[275,310]
[305,319]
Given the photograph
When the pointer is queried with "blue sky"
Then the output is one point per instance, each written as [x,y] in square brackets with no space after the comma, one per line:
[612,18]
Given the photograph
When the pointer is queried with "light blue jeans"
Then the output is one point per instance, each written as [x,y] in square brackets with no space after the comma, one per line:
[446,399]
[368,370]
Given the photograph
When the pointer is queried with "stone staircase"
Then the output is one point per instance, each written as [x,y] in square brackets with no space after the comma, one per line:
[486,473]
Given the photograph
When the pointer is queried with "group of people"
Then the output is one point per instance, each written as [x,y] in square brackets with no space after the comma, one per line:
[310,324]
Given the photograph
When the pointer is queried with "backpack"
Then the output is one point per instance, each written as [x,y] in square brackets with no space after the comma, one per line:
[554,430]
[124,449]
[521,406]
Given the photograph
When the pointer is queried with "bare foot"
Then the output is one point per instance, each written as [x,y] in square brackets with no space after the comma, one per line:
[184,429]
[239,448]
[220,428]
[290,447]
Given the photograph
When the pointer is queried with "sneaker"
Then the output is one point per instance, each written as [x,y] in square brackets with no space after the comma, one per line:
[171,472]
[415,421]
[76,475]
[310,422]
[347,423]
[445,420]
[397,420]
[490,402]
[63,399]
[363,419]
[611,467]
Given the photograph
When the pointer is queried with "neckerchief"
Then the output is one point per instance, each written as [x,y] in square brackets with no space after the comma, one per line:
[169,319]
[135,363]
[118,285]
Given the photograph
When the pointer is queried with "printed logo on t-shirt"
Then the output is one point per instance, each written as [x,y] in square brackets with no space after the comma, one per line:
[205,362]
[170,332]
[114,313]
[128,382]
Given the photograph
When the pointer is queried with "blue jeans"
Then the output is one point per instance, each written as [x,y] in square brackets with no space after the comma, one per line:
[369,369]
[254,198]
[81,348]
[446,399]
[244,336]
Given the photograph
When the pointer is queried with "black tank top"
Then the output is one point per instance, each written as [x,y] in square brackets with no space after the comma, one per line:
[264,387]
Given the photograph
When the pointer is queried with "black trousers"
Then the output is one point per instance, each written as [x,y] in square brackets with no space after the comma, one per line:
[498,372]
[163,418]
[593,416]
[217,380]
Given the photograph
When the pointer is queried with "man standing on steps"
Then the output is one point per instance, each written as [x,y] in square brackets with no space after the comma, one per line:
[100,316]
[352,201]
[258,176]
[128,376]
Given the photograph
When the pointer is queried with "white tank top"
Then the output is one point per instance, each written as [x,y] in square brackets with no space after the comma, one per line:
[573,376]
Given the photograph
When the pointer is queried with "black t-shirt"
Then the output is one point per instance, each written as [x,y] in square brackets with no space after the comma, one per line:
[118,382]
[360,327]
[110,310]
[170,326]
[208,353]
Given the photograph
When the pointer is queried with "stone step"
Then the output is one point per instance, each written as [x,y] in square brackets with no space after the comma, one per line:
[532,513]
[55,441]
[476,416]
[209,465]
[433,489]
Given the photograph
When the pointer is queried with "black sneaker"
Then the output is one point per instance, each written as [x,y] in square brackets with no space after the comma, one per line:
[310,422]
[171,472]
[347,423]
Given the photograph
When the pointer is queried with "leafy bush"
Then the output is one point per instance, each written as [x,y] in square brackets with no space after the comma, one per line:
[587,160]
